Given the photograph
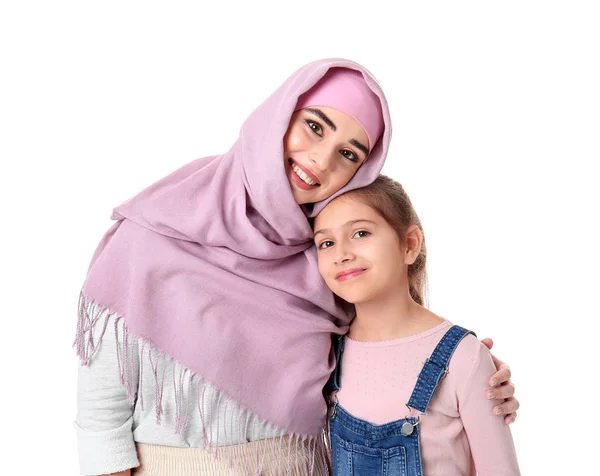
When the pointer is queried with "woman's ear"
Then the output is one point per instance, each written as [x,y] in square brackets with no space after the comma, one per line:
[413,239]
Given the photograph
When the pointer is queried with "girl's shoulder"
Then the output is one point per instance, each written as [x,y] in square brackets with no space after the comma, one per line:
[471,359]
[468,351]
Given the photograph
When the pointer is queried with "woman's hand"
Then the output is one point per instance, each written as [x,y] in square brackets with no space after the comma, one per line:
[502,388]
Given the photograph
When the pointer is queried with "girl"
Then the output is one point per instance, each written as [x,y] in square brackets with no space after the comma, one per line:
[204,297]
[399,405]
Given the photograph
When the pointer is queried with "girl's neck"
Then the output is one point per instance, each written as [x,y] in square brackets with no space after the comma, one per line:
[391,317]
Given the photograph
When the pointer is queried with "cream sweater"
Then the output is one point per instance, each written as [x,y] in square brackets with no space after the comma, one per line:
[108,425]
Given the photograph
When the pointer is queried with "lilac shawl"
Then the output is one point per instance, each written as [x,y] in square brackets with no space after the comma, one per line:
[214,267]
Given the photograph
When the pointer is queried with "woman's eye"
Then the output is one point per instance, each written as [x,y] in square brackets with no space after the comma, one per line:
[325,245]
[349,155]
[315,127]
[361,234]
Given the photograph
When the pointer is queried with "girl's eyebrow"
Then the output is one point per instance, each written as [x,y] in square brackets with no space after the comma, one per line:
[321,115]
[347,224]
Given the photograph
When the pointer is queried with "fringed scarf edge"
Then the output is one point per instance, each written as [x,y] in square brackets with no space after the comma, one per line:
[311,448]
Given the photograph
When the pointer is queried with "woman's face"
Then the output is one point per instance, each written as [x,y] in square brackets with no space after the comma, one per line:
[360,255]
[323,149]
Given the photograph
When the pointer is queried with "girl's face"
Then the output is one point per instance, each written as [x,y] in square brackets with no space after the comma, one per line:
[360,255]
[323,149]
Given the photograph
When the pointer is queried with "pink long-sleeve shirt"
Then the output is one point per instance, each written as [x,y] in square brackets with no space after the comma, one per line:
[460,435]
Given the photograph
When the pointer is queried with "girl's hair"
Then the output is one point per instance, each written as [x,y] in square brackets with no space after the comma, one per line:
[388,198]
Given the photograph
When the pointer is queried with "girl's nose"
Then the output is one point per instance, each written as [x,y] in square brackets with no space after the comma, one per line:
[343,254]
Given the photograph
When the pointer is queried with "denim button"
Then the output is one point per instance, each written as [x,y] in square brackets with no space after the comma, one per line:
[407,428]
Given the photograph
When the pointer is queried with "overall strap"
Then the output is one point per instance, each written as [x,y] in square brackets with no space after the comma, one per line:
[335,380]
[435,368]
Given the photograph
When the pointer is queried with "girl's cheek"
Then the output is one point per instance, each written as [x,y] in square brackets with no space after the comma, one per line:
[322,265]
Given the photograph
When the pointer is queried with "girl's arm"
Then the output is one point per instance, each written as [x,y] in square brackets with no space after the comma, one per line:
[502,388]
[490,439]
[104,415]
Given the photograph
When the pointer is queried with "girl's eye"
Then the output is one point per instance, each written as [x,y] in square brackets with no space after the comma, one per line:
[361,234]
[349,155]
[315,127]
[325,244]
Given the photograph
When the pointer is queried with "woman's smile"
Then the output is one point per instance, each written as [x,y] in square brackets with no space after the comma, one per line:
[302,177]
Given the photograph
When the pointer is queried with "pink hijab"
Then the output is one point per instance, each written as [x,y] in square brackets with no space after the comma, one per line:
[214,267]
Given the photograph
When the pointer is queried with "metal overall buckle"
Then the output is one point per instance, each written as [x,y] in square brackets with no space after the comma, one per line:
[445,372]
[407,427]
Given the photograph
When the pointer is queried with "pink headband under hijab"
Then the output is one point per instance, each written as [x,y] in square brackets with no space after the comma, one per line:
[346,90]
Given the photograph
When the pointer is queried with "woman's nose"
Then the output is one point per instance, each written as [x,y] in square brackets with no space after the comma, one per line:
[321,158]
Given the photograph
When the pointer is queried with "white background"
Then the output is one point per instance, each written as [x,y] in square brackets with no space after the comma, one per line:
[496,115]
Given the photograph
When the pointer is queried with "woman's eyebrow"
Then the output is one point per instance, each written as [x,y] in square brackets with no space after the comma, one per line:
[321,115]
[358,145]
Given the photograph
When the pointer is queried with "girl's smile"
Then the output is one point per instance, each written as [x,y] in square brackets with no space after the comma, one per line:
[349,274]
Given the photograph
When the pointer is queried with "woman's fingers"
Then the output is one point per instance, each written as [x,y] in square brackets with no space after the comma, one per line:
[509,419]
[503,388]
[508,408]
[489,343]
[501,376]
[502,392]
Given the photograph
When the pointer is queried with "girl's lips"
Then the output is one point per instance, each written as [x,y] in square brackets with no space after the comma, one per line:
[349,274]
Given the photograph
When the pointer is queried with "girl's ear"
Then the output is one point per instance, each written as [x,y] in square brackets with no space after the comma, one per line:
[413,239]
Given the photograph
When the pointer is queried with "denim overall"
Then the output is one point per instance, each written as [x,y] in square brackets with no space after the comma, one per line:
[359,448]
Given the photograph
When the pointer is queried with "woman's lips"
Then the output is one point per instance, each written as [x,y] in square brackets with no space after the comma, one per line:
[311,175]
[349,274]
[296,180]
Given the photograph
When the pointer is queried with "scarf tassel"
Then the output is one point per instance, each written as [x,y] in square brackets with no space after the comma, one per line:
[286,455]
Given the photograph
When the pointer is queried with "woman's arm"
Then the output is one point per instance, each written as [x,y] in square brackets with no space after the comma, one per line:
[502,388]
[104,415]
[491,442]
